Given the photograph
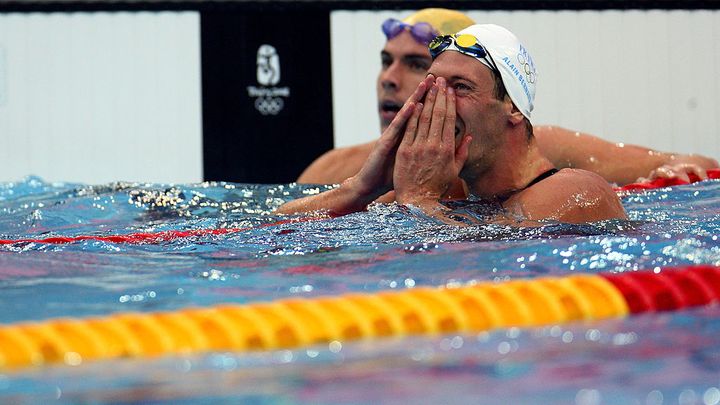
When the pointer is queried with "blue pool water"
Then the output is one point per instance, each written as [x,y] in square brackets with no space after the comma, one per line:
[663,358]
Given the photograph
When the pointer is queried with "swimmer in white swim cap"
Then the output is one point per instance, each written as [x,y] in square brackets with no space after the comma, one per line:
[405,60]
[462,121]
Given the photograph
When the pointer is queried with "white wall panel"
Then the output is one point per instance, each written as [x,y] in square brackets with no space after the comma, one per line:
[642,77]
[98,97]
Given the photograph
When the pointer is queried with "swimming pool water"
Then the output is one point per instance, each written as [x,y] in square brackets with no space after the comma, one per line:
[655,358]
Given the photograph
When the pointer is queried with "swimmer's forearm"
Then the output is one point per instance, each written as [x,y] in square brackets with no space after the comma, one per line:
[616,162]
[645,161]
[348,198]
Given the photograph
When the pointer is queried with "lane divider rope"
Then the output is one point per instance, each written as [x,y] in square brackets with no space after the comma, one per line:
[297,322]
[712,174]
[152,237]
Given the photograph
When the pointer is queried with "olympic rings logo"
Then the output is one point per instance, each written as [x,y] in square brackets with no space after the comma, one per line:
[269,105]
[529,72]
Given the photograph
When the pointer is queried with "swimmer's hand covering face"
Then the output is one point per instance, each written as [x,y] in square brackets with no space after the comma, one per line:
[430,80]
[427,161]
[422,100]
[376,176]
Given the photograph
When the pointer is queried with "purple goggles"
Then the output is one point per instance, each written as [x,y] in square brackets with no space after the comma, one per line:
[422,31]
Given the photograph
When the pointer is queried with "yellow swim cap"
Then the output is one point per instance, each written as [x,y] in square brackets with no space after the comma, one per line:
[443,20]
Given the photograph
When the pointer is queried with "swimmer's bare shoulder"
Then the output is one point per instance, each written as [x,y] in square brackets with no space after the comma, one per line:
[336,165]
[570,196]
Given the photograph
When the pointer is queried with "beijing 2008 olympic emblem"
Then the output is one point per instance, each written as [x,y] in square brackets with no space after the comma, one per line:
[269,100]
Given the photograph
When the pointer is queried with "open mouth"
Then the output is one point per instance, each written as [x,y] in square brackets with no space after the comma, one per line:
[390,106]
[388,111]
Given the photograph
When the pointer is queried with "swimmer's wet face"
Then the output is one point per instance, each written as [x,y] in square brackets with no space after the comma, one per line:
[405,62]
[479,112]
[467,45]
[487,43]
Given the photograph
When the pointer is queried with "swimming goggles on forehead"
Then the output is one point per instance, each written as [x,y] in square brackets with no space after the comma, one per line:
[422,31]
[464,43]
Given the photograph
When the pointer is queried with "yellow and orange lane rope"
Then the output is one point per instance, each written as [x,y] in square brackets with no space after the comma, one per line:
[298,322]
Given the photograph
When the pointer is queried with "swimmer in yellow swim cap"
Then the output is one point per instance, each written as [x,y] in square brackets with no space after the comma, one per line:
[405,57]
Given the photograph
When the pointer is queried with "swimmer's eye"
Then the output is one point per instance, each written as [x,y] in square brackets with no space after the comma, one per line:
[461,88]
[385,60]
[419,66]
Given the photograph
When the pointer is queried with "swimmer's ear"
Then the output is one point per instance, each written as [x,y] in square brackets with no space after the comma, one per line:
[516,117]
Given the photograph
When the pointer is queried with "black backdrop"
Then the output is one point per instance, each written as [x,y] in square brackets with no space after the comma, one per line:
[265,133]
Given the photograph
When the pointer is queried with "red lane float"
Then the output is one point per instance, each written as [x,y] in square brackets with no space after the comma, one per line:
[149,237]
[669,289]
[713,174]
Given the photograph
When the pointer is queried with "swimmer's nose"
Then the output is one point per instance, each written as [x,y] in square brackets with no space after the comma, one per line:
[388,85]
[390,78]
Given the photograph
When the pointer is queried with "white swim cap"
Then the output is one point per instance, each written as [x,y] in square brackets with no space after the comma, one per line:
[509,57]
